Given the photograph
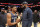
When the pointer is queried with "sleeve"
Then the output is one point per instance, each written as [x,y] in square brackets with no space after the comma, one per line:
[30,15]
[38,16]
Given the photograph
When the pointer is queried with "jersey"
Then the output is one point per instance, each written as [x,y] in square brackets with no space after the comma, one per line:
[13,19]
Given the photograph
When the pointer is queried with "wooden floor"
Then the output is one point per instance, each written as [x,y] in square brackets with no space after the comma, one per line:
[38,25]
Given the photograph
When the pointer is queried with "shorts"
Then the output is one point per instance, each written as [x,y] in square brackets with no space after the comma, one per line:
[13,26]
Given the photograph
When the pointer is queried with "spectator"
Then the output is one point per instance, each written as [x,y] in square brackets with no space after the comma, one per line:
[35,18]
[39,16]
[3,18]
[26,16]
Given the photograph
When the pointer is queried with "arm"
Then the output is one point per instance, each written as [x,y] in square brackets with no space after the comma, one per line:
[18,19]
[9,20]
[30,15]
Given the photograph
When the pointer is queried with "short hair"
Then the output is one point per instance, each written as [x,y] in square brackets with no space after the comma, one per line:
[13,6]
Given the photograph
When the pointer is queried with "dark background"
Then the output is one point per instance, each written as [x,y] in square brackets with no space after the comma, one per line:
[20,1]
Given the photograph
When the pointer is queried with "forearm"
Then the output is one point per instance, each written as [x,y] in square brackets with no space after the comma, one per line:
[10,24]
[17,21]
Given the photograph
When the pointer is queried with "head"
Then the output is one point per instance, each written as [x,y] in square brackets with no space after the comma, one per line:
[35,11]
[3,10]
[24,4]
[14,8]
[9,8]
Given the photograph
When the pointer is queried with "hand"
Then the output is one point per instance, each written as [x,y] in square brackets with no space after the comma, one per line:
[21,14]
[6,24]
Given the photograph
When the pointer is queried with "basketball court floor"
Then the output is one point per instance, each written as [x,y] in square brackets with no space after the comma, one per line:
[20,25]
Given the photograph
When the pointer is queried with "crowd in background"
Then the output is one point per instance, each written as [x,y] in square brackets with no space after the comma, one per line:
[36,14]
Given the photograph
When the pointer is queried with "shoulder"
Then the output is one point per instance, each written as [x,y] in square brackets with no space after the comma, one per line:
[29,10]
[0,12]
[8,14]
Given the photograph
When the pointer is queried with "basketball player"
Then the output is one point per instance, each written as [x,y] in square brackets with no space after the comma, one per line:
[12,19]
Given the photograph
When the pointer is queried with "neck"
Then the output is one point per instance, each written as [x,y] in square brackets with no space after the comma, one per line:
[13,12]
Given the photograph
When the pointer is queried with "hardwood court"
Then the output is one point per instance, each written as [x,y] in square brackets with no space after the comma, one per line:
[20,25]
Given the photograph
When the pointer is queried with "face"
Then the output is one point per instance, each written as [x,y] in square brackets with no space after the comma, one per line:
[24,5]
[35,11]
[3,10]
[14,9]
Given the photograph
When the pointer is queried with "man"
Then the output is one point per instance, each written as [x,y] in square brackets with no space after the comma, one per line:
[12,19]
[39,15]
[3,18]
[35,18]
[27,15]
[9,9]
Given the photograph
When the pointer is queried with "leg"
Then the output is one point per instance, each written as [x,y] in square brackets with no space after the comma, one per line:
[24,24]
[35,24]
[29,24]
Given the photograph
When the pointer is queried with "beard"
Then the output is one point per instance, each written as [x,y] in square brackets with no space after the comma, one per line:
[2,12]
[23,8]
